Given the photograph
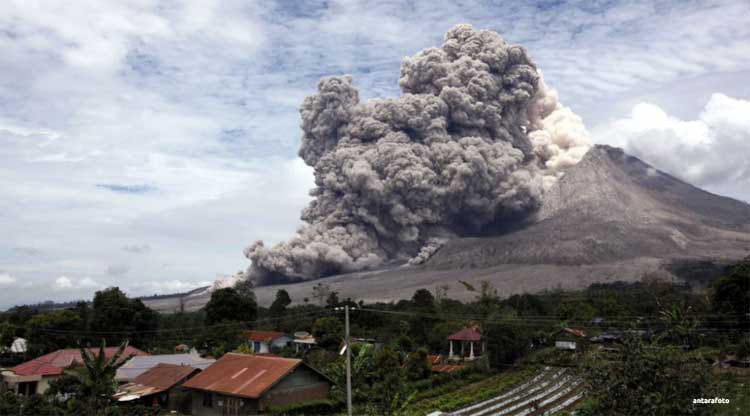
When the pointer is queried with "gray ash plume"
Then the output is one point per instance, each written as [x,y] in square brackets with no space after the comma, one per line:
[469,145]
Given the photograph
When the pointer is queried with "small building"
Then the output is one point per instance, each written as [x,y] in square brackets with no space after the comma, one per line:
[33,377]
[158,387]
[465,344]
[303,341]
[241,384]
[267,341]
[568,338]
[140,364]
[18,346]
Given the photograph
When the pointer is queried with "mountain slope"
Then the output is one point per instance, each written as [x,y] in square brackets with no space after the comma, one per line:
[613,207]
[611,217]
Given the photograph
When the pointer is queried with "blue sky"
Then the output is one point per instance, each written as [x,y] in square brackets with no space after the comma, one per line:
[146,143]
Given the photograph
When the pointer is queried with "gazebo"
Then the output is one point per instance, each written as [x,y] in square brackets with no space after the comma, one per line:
[470,336]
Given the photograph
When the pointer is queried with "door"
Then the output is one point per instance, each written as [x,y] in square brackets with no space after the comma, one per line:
[232,406]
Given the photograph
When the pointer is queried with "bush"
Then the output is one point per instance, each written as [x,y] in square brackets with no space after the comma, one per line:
[313,407]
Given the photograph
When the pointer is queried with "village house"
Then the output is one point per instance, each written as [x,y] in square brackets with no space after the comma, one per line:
[303,341]
[465,344]
[241,384]
[140,364]
[263,342]
[569,339]
[159,387]
[33,377]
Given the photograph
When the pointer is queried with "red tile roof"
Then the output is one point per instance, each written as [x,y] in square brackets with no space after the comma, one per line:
[243,375]
[266,336]
[466,334]
[56,362]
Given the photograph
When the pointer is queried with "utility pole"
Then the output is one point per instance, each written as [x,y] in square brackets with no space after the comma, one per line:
[348,364]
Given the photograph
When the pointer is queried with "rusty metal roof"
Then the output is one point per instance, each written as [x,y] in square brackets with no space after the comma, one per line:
[243,375]
[57,361]
[266,336]
[161,377]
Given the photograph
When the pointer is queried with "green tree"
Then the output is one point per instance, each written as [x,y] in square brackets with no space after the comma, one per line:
[245,288]
[280,303]
[416,365]
[121,318]
[647,379]
[228,305]
[328,332]
[54,330]
[731,299]
[578,311]
[92,384]
[389,395]
[423,299]
[506,339]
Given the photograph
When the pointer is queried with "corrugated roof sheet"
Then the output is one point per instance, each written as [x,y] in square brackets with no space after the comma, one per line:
[466,334]
[243,375]
[446,368]
[266,336]
[139,365]
[56,362]
[156,380]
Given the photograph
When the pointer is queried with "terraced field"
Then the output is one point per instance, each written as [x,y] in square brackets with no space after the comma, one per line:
[550,391]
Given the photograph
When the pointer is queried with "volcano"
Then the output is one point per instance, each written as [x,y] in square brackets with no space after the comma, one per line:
[611,217]
[613,207]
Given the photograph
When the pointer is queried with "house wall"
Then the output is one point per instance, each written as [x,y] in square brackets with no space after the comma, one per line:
[565,345]
[260,347]
[301,386]
[282,342]
[250,406]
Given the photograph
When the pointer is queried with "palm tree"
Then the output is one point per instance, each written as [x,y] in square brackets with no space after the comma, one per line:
[98,379]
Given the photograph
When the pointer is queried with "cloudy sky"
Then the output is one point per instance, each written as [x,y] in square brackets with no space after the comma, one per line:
[146,143]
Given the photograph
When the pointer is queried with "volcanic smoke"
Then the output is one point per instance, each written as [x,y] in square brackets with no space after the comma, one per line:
[468,148]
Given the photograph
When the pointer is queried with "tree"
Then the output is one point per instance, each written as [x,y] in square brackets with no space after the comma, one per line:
[228,305]
[328,332]
[389,395]
[576,311]
[92,384]
[506,340]
[731,299]
[416,365]
[423,299]
[245,288]
[54,330]
[647,379]
[121,318]
[321,292]
[278,307]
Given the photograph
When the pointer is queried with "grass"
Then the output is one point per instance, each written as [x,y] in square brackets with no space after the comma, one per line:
[470,393]
[737,390]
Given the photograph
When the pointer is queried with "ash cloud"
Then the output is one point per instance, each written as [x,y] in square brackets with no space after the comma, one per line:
[467,147]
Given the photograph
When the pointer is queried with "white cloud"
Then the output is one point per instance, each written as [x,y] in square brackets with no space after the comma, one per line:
[63,282]
[710,151]
[6,279]
[66,283]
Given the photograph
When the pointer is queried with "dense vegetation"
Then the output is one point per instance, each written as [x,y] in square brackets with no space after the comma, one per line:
[672,334]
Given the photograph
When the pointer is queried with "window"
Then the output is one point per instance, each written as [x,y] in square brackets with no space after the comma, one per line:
[27,388]
[208,399]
